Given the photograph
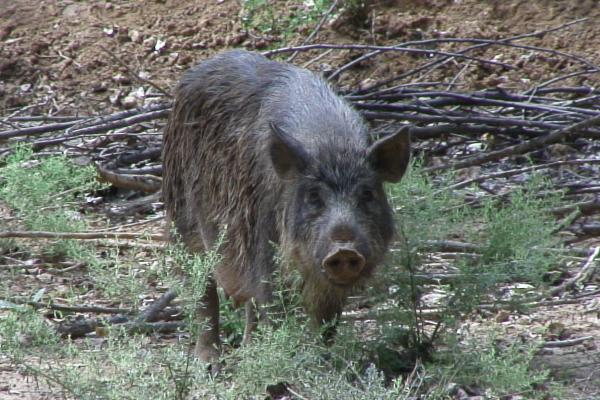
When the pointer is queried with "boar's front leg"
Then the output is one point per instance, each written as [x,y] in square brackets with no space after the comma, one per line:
[256,310]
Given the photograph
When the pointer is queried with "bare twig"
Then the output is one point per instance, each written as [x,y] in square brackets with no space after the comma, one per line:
[522,147]
[151,313]
[587,270]
[516,171]
[58,307]
[80,235]
[383,48]
[316,30]
[145,183]
[438,63]
[566,343]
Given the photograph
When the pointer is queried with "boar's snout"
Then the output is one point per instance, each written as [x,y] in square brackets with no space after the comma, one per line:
[344,262]
[343,265]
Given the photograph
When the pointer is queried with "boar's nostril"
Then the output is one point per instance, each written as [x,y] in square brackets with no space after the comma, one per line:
[344,264]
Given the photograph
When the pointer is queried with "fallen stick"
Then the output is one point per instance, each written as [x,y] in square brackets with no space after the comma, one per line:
[566,343]
[587,270]
[144,183]
[81,235]
[310,37]
[427,52]
[59,307]
[82,123]
[517,171]
[151,313]
[521,148]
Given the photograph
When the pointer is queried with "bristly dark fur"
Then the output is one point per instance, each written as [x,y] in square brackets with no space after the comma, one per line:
[218,175]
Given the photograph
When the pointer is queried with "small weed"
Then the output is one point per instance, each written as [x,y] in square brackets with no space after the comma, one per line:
[44,195]
[261,16]
[519,233]
[512,236]
[504,369]
[24,329]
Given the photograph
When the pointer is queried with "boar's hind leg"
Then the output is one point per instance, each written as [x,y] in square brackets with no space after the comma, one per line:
[251,321]
[207,345]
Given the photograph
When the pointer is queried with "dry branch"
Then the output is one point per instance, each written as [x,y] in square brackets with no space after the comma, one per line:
[144,183]
[145,322]
[517,171]
[427,52]
[59,307]
[80,235]
[587,270]
[521,147]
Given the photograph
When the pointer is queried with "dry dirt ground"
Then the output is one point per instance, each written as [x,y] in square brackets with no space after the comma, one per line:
[61,57]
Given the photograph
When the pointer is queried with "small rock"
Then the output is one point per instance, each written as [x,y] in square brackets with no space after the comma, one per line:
[367,83]
[122,79]
[129,102]
[188,32]
[6,31]
[123,35]
[184,60]
[100,87]
[139,93]
[218,41]
[109,31]
[136,36]
[261,44]
[172,59]
[149,43]
[115,98]
[160,45]
[502,316]
[39,47]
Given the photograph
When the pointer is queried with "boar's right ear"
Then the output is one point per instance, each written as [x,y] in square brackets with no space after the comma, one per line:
[390,155]
[287,154]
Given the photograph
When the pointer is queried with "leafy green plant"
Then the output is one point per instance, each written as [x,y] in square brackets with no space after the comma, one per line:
[45,194]
[24,329]
[518,234]
[489,362]
[510,239]
[262,16]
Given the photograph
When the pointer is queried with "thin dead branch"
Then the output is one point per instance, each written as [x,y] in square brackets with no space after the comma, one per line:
[587,270]
[81,235]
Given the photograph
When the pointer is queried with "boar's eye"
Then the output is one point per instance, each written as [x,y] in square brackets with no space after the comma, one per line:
[367,195]
[313,198]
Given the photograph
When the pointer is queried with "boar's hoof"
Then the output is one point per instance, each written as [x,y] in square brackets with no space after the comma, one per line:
[208,355]
[343,266]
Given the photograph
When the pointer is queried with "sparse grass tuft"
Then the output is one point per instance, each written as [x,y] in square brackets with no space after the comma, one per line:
[45,195]
[263,17]
[504,369]
[512,234]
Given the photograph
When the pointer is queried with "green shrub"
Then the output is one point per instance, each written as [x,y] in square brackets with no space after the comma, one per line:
[45,195]
[262,16]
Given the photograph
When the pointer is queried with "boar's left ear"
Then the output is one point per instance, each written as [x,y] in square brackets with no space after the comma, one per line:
[389,156]
[288,155]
